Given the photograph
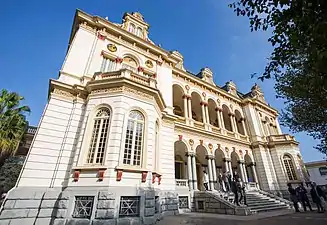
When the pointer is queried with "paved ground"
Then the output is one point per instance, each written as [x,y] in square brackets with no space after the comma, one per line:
[274,218]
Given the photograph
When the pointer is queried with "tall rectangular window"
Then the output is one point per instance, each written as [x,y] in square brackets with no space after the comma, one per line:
[108,65]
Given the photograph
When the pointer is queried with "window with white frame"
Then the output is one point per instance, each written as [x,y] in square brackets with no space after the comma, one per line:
[131,28]
[134,139]
[289,166]
[99,137]
[108,65]
[139,32]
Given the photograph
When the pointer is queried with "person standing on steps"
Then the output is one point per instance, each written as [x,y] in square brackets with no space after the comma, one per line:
[317,197]
[303,197]
[229,177]
[235,191]
[205,180]
[220,182]
[226,182]
[294,198]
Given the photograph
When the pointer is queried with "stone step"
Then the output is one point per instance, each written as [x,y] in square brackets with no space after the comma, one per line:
[261,203]
[280,207]
[266,206]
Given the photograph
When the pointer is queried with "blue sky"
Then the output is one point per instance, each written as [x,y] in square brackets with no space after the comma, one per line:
[35,34]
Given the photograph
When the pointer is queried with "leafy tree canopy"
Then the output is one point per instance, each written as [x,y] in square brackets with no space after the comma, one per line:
[298,62]
[12,123]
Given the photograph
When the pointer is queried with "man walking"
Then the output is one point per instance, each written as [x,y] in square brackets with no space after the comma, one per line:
[303,197]
[226,182]
[205,180]
[317,197]
[294,198]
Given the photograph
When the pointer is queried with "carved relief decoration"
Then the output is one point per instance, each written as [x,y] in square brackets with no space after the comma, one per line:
[107,90]
[63,93]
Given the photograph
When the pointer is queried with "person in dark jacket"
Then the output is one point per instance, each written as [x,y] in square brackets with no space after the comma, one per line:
[302,193]
[235,191]
[317,194]
[294,198]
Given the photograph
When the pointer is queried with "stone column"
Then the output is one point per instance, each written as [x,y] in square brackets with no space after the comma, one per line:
[207,113]
[222,119]
[210,185]
[195,180]
[218,117]
[255,174]
[230,168]
[185,107]
[189,170]
[241,171]
[232,122]
[244,171]
[226,165]
[190,109]
[214,170]
[203,113]
[244,127]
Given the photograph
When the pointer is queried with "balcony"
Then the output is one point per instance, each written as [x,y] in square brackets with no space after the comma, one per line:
[281,139]
[181,183]
[128,74]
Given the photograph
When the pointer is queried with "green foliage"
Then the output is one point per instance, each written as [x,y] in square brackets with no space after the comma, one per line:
[12,123]
[9,173]
[298,62]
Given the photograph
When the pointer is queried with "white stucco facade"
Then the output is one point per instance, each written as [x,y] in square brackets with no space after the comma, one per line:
[185,120]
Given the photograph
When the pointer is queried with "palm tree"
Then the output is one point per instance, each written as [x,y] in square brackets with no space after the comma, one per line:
[12,123]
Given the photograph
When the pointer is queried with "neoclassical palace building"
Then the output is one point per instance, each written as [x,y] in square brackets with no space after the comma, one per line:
[128,132]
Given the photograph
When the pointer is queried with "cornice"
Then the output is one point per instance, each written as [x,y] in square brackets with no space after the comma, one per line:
[197,131]
[256,102]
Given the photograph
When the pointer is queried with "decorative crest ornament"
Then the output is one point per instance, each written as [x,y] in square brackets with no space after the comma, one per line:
[191,142]
[187,87]
[149,64]
[112,47]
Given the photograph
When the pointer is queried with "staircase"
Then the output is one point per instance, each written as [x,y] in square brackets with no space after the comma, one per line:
[261,202]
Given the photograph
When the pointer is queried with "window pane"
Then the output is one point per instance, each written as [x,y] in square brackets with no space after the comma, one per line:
[99,137]
[128,142]
[94,138]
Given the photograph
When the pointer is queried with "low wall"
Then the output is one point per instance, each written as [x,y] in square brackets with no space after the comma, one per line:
[29,206]
[211,203]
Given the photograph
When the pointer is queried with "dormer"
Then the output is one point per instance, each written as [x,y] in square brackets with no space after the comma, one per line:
[231,88]
[135,24]
[206,75]
[257,93]
[179,58]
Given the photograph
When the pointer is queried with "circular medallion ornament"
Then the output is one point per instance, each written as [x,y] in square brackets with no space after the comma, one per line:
[187,87]
[191,142]
[210,146]
[204,94]
[112,47]
[149,63]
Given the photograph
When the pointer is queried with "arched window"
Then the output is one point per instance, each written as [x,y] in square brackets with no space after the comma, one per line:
[131,28]
[134,139]
[99,137]
[140,32]
[289,166]
[130,63]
